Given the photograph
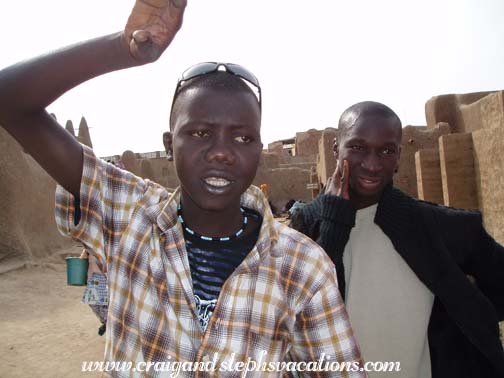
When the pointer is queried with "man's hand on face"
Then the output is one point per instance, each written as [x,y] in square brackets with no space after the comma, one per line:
[338,185]
[151,27]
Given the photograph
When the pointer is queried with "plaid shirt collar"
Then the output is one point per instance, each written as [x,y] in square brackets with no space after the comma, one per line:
[164,214]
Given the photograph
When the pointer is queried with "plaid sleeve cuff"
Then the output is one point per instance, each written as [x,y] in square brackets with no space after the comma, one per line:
[326,331]
[80,229]
[106,193]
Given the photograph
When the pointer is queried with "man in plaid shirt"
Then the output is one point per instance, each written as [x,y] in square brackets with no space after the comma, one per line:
[203,275]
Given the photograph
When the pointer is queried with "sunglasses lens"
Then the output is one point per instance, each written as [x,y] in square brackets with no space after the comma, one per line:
[243,73]
[198,70]
[208,67]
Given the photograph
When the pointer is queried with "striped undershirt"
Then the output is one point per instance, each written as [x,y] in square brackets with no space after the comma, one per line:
[212,262]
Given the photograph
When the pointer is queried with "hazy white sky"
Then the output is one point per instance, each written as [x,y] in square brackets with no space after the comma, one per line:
[313,59]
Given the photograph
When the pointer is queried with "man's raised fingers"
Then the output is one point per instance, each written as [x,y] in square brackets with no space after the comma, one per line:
[140,36]
[179,3]
[337,172]
[345,180]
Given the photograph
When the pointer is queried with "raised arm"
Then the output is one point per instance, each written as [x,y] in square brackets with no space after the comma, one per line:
[28,87]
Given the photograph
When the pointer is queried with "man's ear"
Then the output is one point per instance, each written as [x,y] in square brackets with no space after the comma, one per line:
[335,148]
[168,144]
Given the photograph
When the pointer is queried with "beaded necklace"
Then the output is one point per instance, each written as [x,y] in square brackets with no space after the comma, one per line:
[209,238]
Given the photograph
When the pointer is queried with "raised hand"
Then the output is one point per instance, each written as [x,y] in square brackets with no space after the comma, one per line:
[338,184]
[151,27]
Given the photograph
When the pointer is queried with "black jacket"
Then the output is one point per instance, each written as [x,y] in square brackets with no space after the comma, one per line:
[442,246]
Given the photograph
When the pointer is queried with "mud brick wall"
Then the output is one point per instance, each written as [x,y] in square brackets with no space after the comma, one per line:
[307,142]
[448,108]
[415,138]
[27,226]
[457,171]
[428,169]
[326,162]
[489,171]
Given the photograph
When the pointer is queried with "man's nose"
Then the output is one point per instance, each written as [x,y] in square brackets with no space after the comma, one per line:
[220,151]
[372,163]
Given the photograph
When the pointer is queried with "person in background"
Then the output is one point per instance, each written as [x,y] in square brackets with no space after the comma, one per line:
[96,291]
[402,263]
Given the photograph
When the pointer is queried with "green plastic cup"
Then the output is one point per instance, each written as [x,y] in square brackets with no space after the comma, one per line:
[77,271]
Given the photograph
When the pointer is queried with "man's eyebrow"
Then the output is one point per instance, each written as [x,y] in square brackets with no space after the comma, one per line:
[212,124]
[353,140]
[201,122]
[240,126]
[361,140]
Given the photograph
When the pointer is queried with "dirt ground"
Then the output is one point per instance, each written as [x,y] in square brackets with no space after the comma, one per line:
[45,329]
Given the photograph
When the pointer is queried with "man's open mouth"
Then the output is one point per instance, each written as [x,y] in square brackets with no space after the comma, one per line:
[217,182]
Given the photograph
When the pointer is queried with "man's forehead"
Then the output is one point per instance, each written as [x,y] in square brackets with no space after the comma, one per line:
[373,127]
[190,94]
[196,94]
[213,106]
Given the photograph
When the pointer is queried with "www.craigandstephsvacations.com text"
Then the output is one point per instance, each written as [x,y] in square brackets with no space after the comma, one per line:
[323,364]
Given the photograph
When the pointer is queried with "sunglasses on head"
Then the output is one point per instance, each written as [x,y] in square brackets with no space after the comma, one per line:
[206,68]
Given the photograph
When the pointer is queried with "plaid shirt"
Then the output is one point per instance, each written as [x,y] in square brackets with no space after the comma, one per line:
[282,299]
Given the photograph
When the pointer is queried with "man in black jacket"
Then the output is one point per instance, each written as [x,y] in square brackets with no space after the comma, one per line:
[402,263]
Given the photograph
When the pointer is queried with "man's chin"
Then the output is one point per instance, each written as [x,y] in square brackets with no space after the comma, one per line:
[366,196]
